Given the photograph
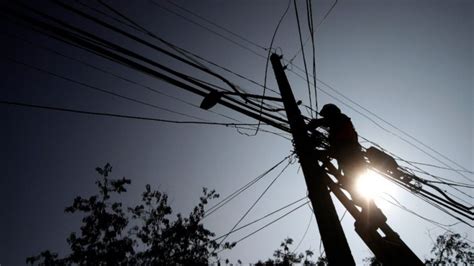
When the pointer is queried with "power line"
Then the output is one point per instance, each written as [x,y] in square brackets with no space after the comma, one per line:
[261,218]
[107,15]
[441,179]
[302,51]
[218,26]
[317,27]
[230,197]
[268,224]
[441,167]
[47,49]
[282,135]
[141,29]
[257,200]
[38,46]
[305,232]
[206,28]
[432,198]
[91,43]
[421,170]
[399,205]
[53,108]
[309,13]
[180,50]
[154,90]
[437,204]
[450,183]
[44,71]
[110,45]
[268,60]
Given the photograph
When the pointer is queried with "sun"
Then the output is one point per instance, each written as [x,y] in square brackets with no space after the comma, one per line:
[371,185]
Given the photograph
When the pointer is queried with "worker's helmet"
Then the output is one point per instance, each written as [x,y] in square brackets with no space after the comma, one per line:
[330,110]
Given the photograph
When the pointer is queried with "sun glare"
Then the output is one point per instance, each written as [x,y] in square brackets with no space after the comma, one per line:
[371,184]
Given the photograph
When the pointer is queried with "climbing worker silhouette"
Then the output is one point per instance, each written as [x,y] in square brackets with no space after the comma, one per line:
[343,143]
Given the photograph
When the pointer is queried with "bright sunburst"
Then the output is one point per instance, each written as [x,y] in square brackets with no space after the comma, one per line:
[371,184]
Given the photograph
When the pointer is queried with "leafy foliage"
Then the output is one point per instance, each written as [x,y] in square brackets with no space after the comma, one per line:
[284,256]
[451,248]
[113,235]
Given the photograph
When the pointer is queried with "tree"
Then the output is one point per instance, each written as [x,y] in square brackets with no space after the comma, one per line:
[107,236]
[284,256]
[451,248]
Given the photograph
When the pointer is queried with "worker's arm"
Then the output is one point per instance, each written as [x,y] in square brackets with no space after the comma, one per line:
[315,123]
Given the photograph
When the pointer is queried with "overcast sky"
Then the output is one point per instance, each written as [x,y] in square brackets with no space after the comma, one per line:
[409,62]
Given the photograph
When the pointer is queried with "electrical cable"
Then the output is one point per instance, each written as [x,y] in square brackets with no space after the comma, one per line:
[243,188]
[305,232]
[304,57]
[133,82]
[437,224]
[284,135]
[173,46]
[130,36]
[399,205]
[424,172]
[206,28]
[268,60]
[441,167]
[317,27]
[107,15]
[135,38]
[309,13]
[95,88]
[447,203]
[415,168]
[445,181]
[217,25]
[117,115]
[139,28]
[256,201]
[261,218]
[49,50]
[437,202]
[150,45]
[135,26]
[268,224]
[61,34]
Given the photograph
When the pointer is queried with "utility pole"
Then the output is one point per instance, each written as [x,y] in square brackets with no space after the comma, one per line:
[333,238]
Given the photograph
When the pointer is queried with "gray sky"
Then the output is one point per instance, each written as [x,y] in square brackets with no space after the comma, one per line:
[409,62]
